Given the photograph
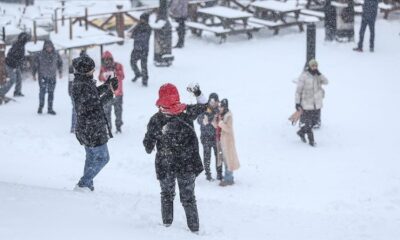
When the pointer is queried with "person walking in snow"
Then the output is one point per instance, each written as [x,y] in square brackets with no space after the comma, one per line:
[171,131]
[309,96]
[141,36]
[227,145]
[208,136]
[92,129]
[46,64]
[179,11]
[370,11]
[110,68]
[330,21]
[14,61]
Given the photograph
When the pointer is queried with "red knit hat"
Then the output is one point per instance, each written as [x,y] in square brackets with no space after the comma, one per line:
[169,101]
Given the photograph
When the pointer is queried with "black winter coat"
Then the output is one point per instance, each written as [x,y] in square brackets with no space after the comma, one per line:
[15,56]
[92,127]
[164,132]
[207,132]
[141,36]
[370,9]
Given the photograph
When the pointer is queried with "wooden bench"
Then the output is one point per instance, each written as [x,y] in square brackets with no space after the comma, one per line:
[276,26]
[198,28]
[308,12]
[309,19]
[387,8]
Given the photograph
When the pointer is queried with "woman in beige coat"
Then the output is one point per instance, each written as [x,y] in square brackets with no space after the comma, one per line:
[227,143]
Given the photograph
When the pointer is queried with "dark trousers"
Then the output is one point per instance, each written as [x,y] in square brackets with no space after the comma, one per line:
[371,25]
[330,33]
[186,184]
[141,55]
[117,104]
[181,31]
[207,159]
[46,85]
[308,120]
[14,75]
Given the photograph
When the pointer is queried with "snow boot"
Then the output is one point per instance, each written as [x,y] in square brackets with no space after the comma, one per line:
[136,77]
[192,217]
[311,141]
[357,49]
[78,188]
[118,129]
[209,178]
[301,134]
[40,110]
[371,49]
[18,95]
[51,112]
[226,183]
[167,213]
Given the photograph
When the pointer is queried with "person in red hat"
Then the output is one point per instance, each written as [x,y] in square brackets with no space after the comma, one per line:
[111,68]
[171,130]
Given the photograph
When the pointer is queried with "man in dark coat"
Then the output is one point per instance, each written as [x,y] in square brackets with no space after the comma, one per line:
[46,63]
[92,129]
[171,130]
[370,11]
[208,136]
[14,61]
[141,36]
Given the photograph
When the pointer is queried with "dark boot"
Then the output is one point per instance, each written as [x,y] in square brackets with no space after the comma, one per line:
[357,49]
[301,134]
[136,77]
[18,95]
[51,112]
[209,177]
[118,129]
[40,110]
[167,212]
[310,136]
[192,217]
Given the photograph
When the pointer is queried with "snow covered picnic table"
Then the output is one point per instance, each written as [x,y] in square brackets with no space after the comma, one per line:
[275,15]
[222,21]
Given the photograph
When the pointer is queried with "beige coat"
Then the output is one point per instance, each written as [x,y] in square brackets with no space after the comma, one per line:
[309,92]
[228,143]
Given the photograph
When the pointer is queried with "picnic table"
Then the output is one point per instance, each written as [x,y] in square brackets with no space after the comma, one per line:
[222,21]
[275,14]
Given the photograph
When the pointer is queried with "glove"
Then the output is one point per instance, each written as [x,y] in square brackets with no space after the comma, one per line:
[195,89]
[298,107]
[113,81]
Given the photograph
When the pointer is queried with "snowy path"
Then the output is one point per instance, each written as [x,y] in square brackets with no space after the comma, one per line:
[346,188]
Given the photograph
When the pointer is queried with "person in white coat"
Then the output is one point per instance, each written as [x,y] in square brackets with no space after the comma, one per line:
[179,11]
[309,98]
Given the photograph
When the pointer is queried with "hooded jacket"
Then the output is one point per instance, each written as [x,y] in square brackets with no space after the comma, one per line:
[47,63]
[141,36]
[15,56]
[115,69]
[309,92]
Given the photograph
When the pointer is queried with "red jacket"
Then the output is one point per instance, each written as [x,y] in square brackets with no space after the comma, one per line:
[117,69]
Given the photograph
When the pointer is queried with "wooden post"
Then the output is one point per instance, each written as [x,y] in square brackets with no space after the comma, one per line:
[4,33]
[70,28]
[2,62]
[101,50]
[86,19]
[62,20]
[311,36]
[55,21]
[34,32]
[120,25]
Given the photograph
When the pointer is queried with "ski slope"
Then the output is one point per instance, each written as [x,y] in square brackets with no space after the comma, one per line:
[347,188]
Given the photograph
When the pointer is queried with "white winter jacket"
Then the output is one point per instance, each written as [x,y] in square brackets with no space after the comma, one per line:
[309,92]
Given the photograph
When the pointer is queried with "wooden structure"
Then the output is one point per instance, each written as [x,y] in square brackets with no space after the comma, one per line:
[2,62]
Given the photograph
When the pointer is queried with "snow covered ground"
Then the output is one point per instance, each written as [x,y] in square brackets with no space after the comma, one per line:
[347,188]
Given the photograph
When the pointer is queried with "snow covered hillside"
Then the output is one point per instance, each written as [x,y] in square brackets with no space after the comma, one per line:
[346,188]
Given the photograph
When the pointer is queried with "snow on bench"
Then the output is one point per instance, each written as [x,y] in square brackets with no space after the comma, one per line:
[200,26]
[309,19]
[266,23]
[314,13]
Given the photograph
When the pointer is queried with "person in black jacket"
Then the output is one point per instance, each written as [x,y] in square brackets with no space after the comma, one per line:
[14,61]
[92,129]
[141,35]
[171,130]
[330,21]
[370,11]
[46,63]
[208,136]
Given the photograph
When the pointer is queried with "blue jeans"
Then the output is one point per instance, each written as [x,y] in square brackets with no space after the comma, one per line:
[47,85]
[96,159]
[228,177]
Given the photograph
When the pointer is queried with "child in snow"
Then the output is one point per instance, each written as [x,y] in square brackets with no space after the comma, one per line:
[110,68]
[171,130]
[226,139]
